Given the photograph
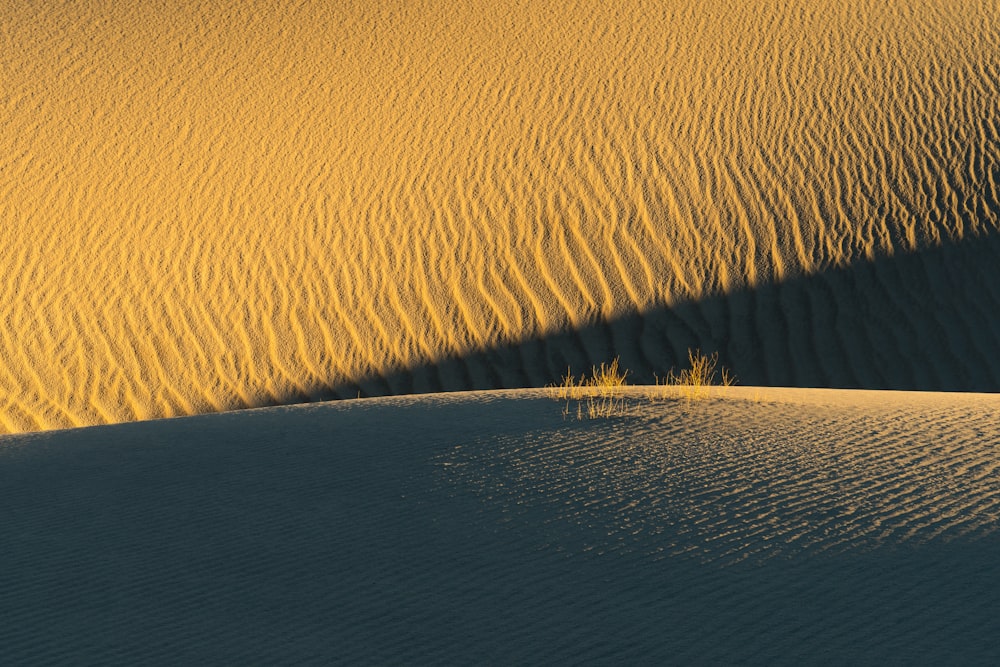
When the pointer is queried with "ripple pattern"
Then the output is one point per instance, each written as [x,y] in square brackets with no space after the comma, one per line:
[801,526]
[210,205]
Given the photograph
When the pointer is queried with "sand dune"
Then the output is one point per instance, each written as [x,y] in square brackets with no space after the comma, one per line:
[808,526]
[211,205]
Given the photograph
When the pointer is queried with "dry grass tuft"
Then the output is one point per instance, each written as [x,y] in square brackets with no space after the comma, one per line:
[601,394]
[607,376]
[597,396]
[701,373]
[694,382]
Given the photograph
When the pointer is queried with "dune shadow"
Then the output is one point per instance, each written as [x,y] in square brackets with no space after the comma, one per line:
[374,536]
[927,320]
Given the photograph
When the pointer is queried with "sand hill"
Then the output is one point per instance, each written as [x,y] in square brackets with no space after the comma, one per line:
[211,205]
[807,527]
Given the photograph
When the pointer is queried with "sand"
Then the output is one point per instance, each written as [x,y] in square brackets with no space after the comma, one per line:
[761,526]
[215,205]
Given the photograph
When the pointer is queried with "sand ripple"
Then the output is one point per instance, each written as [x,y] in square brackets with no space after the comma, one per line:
[836,527]
[209,205]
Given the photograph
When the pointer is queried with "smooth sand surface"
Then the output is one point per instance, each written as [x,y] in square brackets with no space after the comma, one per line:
[759,526]
[213,205]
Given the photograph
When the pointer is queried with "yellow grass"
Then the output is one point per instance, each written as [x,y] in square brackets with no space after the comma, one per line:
[695,381]
[601,394]
[598,395]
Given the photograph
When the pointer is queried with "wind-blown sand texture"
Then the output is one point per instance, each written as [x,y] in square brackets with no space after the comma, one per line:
[815,526]
[211,205]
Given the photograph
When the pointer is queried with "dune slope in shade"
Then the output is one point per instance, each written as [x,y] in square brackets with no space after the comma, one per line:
[473,528]
[208,205]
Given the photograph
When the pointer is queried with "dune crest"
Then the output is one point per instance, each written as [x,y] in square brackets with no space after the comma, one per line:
[206,205]
[841,526]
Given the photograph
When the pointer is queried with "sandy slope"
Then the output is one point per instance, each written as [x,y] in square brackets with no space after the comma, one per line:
[207,205]
[820,526]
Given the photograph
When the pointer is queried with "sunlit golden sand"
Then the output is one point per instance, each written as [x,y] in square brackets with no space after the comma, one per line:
[211,205]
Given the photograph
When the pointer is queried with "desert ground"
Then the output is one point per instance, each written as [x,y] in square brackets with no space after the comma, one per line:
[217,218]
[803,526]
[215,205]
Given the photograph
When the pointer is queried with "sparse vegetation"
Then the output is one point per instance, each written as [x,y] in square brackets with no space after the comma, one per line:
[602,393]
[694,382]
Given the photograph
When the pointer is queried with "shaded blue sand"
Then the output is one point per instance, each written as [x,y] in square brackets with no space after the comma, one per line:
[338,533]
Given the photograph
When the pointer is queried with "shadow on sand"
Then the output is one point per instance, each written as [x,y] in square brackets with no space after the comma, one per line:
[928,320]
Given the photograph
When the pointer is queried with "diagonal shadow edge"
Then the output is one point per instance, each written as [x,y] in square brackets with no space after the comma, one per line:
[927,320]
